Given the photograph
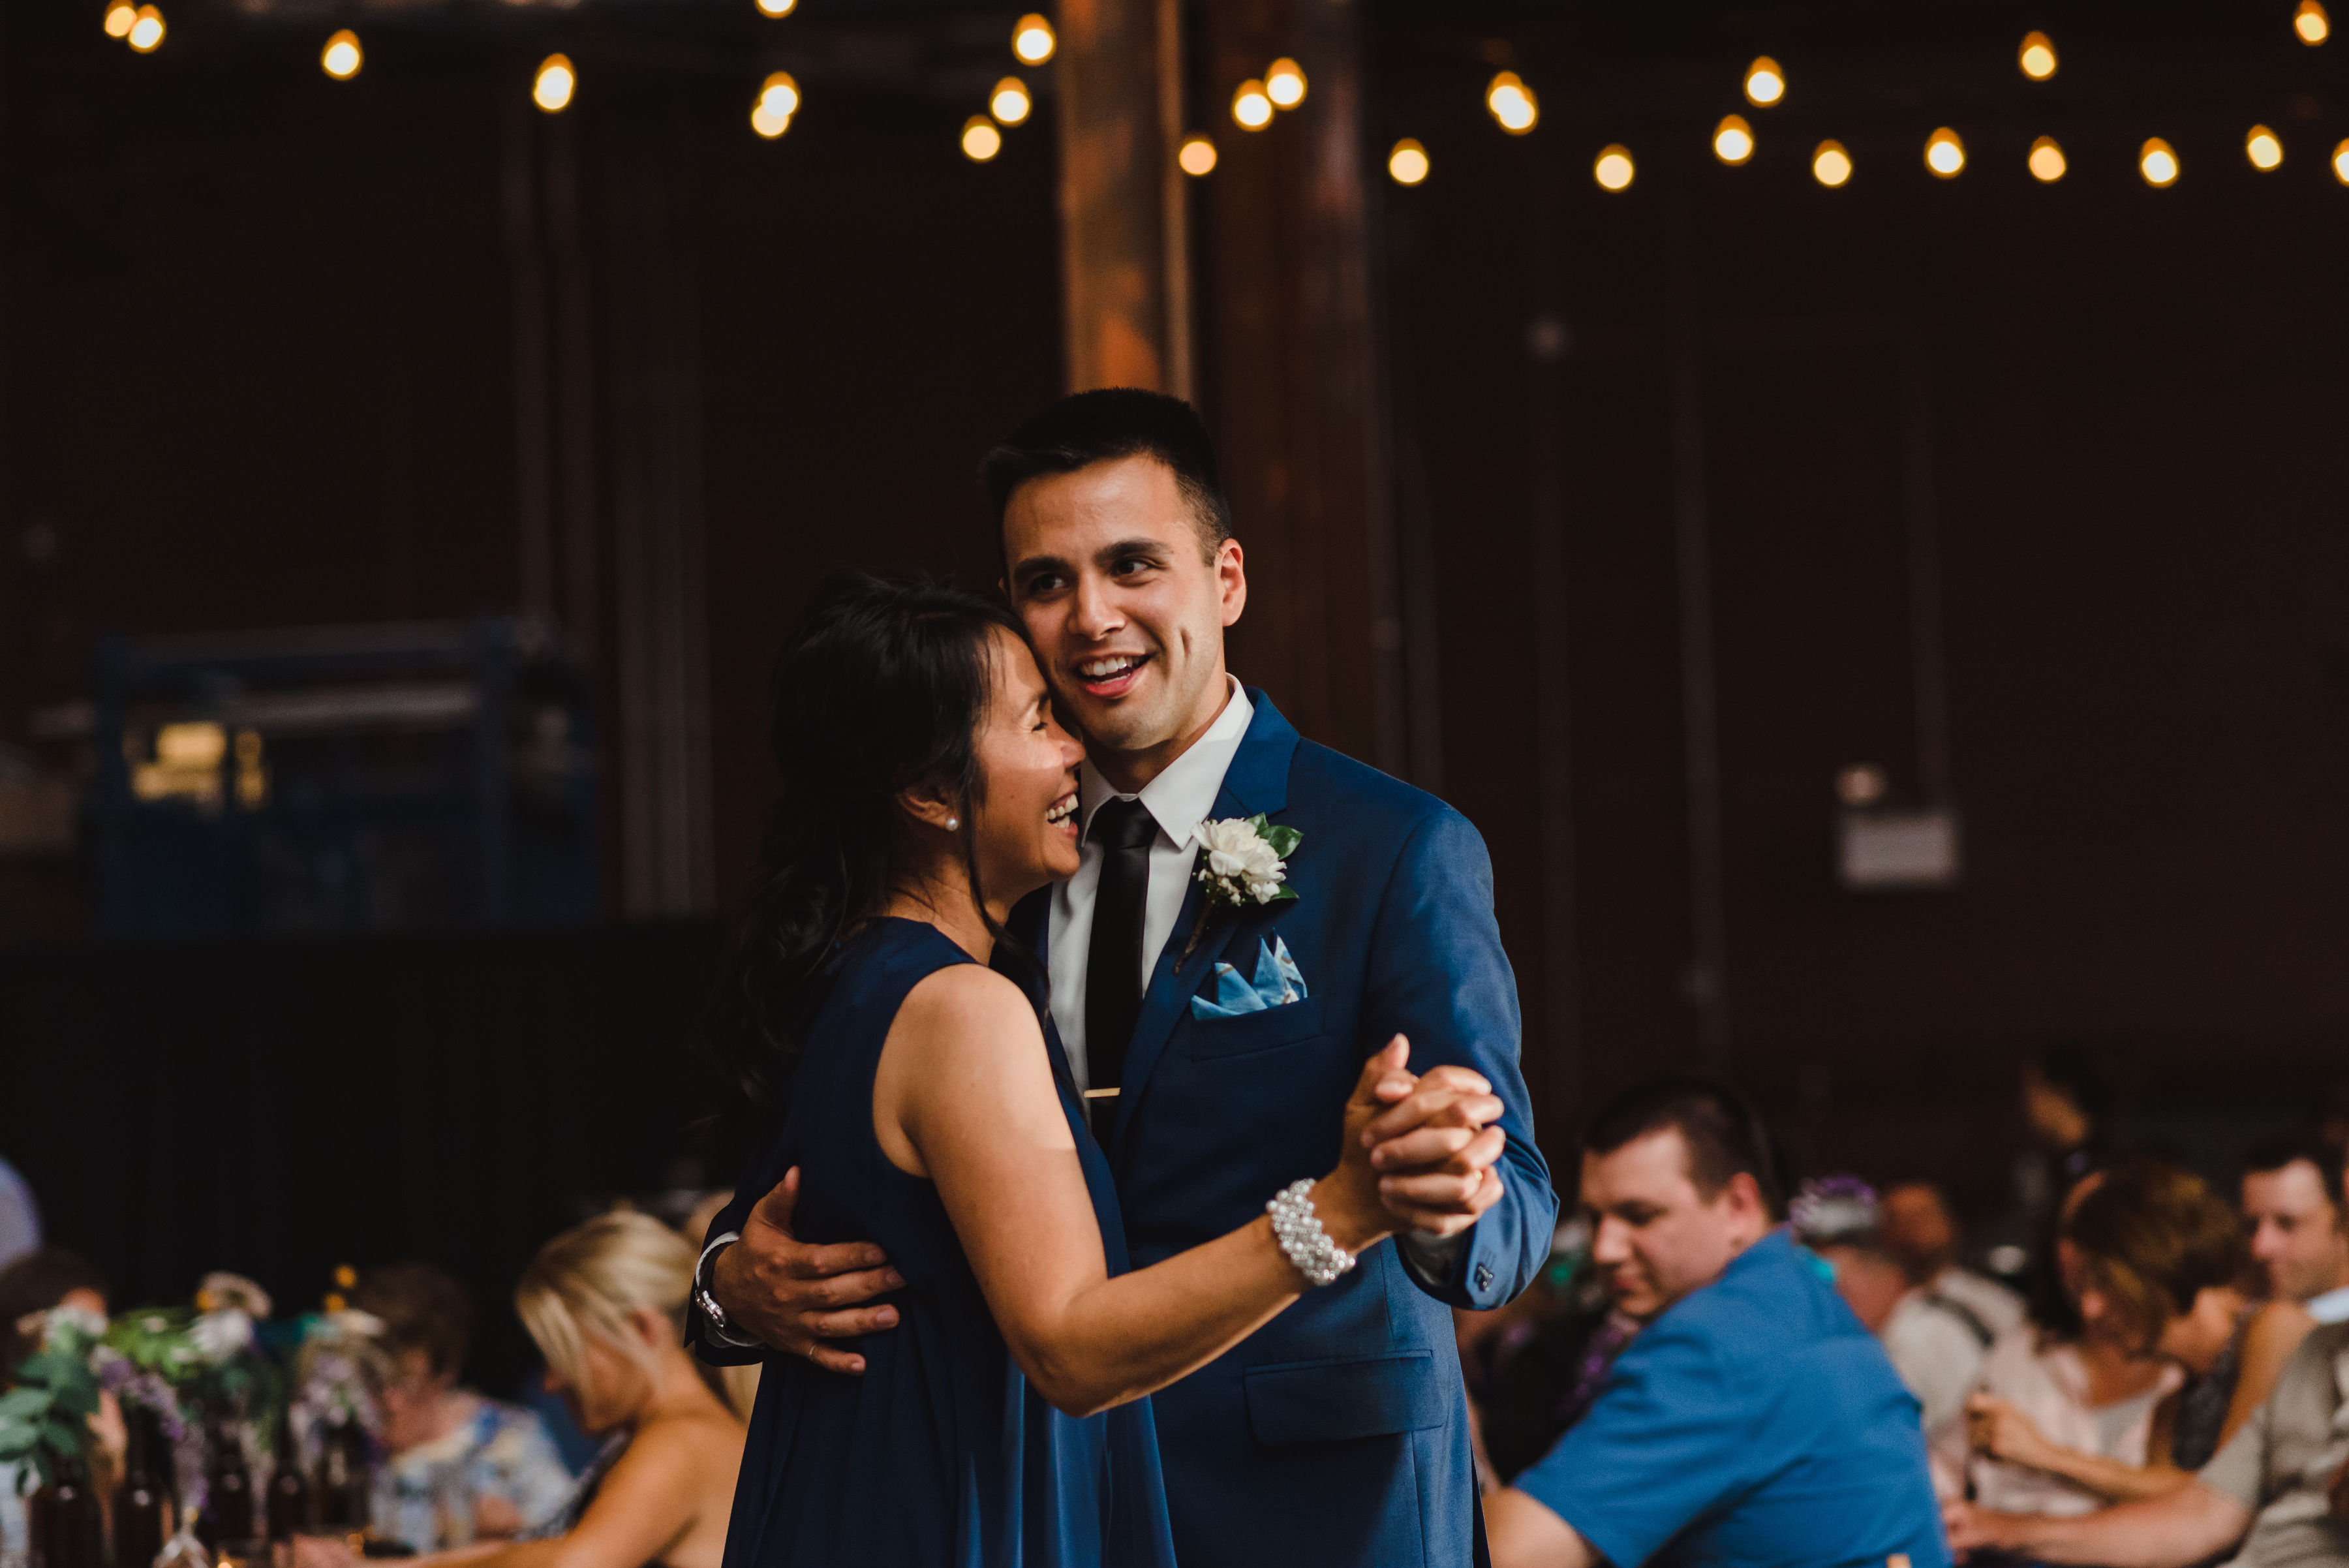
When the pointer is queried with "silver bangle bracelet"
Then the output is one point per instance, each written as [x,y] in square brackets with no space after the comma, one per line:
[1299,1230]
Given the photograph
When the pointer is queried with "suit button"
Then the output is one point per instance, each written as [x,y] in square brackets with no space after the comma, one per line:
[1483,1276]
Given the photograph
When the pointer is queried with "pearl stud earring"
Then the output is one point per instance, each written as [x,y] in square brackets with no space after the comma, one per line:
[953,822]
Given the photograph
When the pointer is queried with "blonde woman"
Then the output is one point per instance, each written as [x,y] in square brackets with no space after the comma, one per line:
[605,1301]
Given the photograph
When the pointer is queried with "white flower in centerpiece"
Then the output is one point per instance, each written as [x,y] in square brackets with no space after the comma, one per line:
[1237,854]
[221,1336]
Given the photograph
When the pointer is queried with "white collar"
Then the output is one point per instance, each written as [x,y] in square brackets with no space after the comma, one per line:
[1185,791]
[2333,1306]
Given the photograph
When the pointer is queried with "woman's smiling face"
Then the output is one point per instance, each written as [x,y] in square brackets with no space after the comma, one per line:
[1026,826]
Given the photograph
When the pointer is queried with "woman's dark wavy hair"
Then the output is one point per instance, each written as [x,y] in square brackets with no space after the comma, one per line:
[883,685]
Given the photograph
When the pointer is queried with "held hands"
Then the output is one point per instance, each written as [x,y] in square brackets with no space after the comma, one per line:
[1347,1200]
[795,1297]
[1434,1146]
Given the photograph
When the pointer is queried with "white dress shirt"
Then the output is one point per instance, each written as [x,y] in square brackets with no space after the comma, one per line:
[1178,800]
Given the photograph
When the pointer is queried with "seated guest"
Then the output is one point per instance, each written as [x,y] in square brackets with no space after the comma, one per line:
[1753,1420]
[2155,1257]
[2269,1497]
[606,1302]
[443,1440]
[2300,1236]
[1936,1348]
[1919,1230]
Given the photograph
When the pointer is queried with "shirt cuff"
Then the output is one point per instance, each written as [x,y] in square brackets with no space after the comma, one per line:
[1429,1258]
[712,1330]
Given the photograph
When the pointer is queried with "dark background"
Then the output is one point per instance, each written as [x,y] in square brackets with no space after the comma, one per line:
[254,365]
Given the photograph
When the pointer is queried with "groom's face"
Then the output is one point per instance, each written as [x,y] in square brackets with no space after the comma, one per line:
[1126,601]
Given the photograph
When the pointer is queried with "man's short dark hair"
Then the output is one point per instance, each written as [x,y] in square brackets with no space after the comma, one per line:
[1723,1132]
[1102,426]
[2277,1153]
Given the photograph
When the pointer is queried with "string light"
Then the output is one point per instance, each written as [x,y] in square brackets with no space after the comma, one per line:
[552,88]
[1614,170]
[2157,163]
[1944,153]
[778,7]
[1284,83]
[2047,163]
[2262,148]
[1251,107]
[1732,140]
[2341,162]
[980,139]
[1830,164]
[1512,103]
[1196,156]
[2037,57]
[1765,84]
[779,100]
[1033,40]
[2311,23]
[119,15]
[1009,102]
[146,29]
[1407,165]
[341,58]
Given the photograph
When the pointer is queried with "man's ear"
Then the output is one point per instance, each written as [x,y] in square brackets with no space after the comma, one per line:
[1231,572]
[1745,1195]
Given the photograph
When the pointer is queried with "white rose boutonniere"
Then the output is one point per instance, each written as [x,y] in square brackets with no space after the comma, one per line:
[1244,861]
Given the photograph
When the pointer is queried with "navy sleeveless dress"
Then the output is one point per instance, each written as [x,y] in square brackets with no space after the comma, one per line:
[940,1453]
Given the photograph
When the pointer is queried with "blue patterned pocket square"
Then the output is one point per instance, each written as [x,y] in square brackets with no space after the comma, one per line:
[1278,982]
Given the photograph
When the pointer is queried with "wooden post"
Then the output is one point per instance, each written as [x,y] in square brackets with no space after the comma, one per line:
[1113,245]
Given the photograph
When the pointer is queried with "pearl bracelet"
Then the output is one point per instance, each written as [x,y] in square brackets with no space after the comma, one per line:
[1299,1230]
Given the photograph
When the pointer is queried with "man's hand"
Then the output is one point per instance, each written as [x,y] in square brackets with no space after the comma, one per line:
[794,1297]
[1435,1149]
[2003,1432]
[1972,1528]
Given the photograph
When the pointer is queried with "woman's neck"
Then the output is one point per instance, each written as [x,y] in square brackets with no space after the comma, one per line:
[676,1389]
[941,898]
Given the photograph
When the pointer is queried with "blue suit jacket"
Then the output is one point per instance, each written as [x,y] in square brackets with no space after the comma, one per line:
[1338,1434]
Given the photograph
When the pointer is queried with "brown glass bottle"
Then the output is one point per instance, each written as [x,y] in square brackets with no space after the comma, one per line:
[290,1513]
[342,1484]
[63,1525]
[228,1487]
[143,1502]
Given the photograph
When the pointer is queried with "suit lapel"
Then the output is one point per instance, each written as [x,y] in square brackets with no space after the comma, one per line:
[1257,780]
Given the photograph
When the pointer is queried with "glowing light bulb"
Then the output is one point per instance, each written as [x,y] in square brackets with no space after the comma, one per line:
[146,29]
[1830,164]
[1196,156]
[1033,40]
[119,15]
[1765,84]
[1614,170]
[2157,163]
[2311,23]
[2037,57]
[2341,162]
[1945,154]
[778,7]
[1251,106]
[1009,102]
[980,139]
[1284,83]
[2262,148]
[1732,140]
[1407,164]
[552,88]
[2047,163]
[342,57]
[779,100]
[1512,103]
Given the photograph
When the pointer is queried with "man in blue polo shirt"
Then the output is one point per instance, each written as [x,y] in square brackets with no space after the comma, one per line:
[1753,1421]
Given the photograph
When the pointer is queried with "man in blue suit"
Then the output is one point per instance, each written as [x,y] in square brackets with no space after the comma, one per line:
[1215,1045]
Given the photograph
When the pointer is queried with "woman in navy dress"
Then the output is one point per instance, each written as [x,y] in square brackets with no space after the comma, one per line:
[1004,1421]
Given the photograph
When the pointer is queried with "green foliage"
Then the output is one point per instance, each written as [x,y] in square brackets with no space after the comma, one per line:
[44,1419]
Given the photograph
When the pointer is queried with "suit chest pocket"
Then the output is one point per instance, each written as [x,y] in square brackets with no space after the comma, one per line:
[1253,1031]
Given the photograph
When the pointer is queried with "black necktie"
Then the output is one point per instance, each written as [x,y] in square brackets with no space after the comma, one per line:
[1126,831]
